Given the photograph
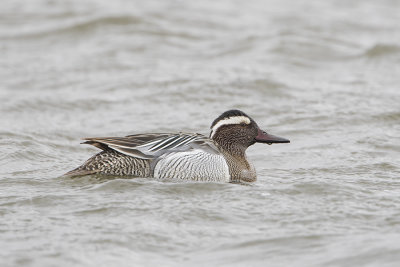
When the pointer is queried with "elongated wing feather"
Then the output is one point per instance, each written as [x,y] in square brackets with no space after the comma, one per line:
[148,146]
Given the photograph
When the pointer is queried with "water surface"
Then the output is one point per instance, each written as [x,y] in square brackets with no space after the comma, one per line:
[324,74]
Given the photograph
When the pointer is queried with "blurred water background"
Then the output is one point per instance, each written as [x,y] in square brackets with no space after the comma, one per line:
[324,74]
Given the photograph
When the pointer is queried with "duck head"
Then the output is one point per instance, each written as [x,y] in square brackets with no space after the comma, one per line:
[235,131]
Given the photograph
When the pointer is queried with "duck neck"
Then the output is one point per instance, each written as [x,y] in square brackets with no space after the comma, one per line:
[239,153]
[236,150]
[240,169]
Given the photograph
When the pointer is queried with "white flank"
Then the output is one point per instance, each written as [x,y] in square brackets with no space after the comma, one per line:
[195,165]
[229,121]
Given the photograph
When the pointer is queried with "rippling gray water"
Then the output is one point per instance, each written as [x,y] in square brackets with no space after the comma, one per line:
[324,74]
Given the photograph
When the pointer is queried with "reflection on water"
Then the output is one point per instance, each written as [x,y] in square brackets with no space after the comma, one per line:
[324,74]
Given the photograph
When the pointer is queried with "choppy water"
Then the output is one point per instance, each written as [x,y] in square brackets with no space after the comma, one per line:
[324,74]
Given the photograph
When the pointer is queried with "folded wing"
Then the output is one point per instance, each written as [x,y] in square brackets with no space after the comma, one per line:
[148,146]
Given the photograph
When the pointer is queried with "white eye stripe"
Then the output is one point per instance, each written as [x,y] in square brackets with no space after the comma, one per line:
[229,121]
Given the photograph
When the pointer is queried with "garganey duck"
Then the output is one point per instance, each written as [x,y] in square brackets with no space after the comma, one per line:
[221,157]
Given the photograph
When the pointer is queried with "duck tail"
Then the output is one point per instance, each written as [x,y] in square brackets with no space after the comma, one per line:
[79,172]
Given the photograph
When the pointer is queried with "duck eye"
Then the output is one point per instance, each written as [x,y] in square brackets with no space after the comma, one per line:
[243,124]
